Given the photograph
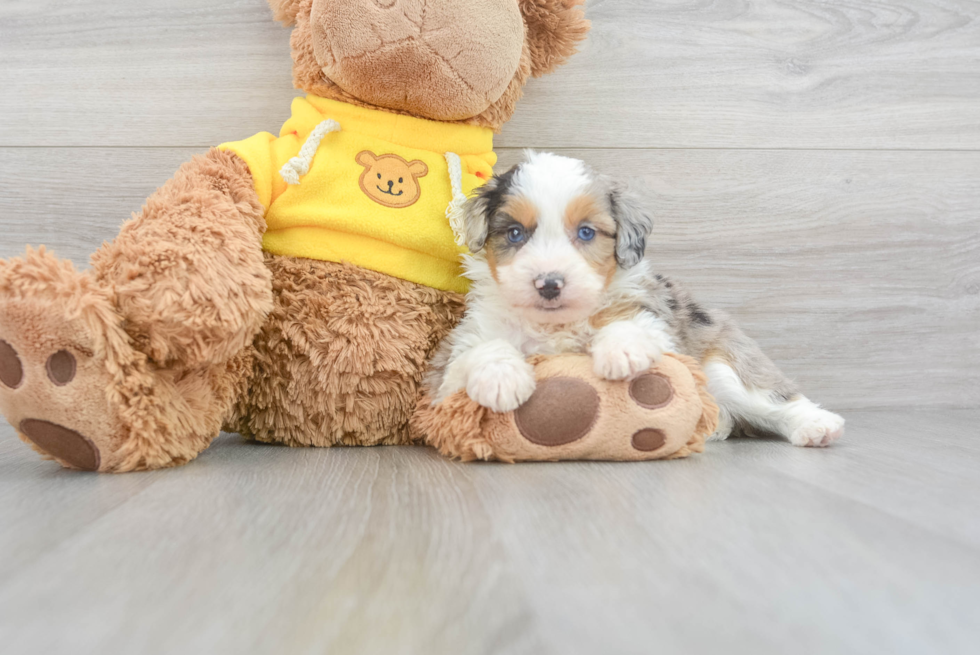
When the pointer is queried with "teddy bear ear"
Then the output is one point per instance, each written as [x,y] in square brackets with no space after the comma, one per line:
[554,27]
[366,158]
[285,11]
[418,168]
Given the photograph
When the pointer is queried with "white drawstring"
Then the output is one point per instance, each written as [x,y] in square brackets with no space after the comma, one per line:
[300,164]
[454,212]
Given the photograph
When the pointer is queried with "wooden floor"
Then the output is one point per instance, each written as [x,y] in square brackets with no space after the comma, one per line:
[872,546]
[813,168]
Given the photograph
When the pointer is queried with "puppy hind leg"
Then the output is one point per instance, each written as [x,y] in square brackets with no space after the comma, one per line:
[726,424]
[797,419]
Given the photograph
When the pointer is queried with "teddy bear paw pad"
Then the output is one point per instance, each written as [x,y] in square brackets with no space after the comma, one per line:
[41,394]
[61,367]
[651,391]
[54,379]
[648,439]
[11,370]
[62,443]
[561,410]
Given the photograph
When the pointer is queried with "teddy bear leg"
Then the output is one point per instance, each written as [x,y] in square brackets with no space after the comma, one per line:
[342,356]
[76,390]
[188,272]
[134,364]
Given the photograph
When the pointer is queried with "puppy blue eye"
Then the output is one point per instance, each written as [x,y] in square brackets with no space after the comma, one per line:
[586,233]
[515,235]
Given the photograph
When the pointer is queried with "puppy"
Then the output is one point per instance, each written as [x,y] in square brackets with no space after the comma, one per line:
[559,266]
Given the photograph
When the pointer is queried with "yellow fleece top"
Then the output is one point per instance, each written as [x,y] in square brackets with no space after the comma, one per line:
[376,191]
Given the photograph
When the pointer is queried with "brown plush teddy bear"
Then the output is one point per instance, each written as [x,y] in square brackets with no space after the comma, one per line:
[291,287]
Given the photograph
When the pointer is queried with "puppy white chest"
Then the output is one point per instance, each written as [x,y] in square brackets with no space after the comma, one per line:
[556,339]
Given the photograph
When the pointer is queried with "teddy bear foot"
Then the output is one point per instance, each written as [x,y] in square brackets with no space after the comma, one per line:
[77,391]
[663,413]
[53,375]
[50,394]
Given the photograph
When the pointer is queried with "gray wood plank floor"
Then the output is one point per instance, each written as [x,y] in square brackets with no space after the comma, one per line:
[814,169]
[872,546]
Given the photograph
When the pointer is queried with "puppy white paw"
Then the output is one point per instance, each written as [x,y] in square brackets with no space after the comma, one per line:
[625,348]
[819,429]
[501,386]
[618,361]
[725,426]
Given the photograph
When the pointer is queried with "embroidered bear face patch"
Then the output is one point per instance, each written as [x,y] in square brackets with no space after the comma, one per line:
[389,180]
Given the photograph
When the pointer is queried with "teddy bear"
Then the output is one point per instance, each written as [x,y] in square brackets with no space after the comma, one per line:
[286,287]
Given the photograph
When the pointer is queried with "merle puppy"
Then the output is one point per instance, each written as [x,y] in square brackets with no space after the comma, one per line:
[559,266]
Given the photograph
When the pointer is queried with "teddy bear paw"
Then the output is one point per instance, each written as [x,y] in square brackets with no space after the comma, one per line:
[573,414]
[53,393]
[616,421]
[52,383]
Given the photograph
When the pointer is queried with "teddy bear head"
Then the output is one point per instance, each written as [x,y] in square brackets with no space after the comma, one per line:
[389,180]
[449,60]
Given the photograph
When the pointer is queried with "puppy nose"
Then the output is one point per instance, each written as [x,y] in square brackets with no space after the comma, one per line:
[549,285]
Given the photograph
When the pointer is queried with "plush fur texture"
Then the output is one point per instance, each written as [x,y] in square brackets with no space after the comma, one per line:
[341,357]
[555,27]
[461,428]
[183,324]
[188,272]
[552,30]
[381,53]
[285,11]
[136,415]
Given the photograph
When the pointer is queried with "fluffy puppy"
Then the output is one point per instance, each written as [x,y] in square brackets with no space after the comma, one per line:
[559,266]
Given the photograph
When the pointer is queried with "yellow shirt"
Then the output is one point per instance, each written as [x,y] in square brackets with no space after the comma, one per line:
[376,192]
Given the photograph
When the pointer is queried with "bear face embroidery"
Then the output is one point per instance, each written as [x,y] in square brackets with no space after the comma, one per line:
[389,180]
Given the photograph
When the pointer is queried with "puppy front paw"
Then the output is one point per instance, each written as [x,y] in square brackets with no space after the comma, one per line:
[501,386]
[618,361]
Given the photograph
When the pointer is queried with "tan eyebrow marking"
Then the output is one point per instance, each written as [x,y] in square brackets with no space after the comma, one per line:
[522,210]
[585,207]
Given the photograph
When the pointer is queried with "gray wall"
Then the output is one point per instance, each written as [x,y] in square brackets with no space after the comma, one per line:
[814,167]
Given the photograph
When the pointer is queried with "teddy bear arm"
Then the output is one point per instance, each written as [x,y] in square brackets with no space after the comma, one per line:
[188,272]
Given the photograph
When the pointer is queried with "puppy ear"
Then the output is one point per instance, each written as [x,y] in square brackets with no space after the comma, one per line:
[633,225]
[480,208]
[285,11]
[554,29]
